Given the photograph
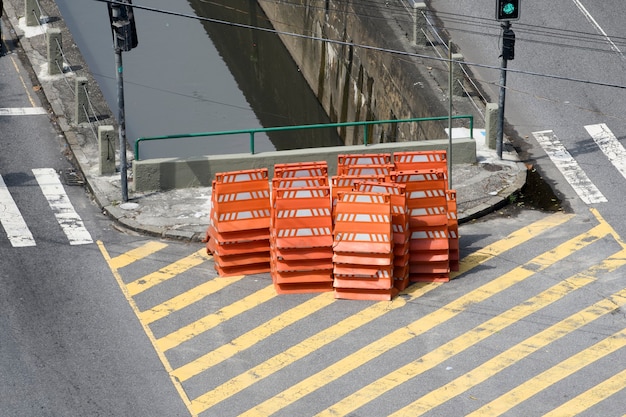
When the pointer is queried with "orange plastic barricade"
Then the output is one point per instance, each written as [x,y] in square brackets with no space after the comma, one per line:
[363,223]
[301,235]
[238,233]
[417,160]
[347,160]
[304,169]
[399,224]
[429,255]
[302,218]
[367,170]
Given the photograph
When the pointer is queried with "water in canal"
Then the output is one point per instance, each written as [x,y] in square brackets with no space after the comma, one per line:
[189,76]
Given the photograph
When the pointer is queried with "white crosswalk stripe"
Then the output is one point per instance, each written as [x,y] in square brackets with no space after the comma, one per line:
[12,221]
[15,226]
[608,143]
[568,166]
[70,221]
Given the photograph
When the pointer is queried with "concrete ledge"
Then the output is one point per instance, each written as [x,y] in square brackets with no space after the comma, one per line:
[173,173]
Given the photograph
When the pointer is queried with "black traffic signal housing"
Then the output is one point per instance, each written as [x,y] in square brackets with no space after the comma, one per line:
[507,10]
[123,27]
[508,44]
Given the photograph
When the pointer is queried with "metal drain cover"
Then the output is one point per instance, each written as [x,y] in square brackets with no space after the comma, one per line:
[71,177]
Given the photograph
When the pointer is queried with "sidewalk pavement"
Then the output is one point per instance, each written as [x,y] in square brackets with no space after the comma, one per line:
[184,214]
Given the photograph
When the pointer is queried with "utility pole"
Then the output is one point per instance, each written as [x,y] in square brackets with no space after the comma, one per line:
[506,10]
[124,39]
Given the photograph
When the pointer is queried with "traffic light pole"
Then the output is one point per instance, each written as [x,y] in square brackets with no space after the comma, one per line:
[506,26]
[121,121]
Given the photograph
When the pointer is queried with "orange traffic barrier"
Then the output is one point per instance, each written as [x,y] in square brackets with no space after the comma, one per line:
[363,223]
[363,246]
[301,235]
[429,254]
[302,169]
[418,160]
[238,233]
[344,161]
[399,224]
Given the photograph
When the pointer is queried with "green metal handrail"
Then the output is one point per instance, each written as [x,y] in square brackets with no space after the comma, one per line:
[252,132]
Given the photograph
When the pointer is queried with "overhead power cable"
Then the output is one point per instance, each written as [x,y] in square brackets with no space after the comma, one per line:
[361,46]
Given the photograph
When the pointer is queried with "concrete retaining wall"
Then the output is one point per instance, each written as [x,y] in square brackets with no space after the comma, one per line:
[171,173]
[354,83]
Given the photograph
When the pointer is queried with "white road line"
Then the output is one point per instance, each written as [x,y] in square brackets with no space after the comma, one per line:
[21,111]
[612,148]
[70,221]
[591,20]
[12,221]
[568,166]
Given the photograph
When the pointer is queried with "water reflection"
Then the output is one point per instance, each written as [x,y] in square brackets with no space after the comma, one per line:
[265,73]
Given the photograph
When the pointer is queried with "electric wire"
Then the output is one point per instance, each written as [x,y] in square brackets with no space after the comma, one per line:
[365,47]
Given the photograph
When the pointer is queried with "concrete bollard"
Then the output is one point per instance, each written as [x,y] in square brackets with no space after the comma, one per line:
[55,54]
[106,144]
[81,114]
[419,23]
[458,75]
[32,12]
[491,124]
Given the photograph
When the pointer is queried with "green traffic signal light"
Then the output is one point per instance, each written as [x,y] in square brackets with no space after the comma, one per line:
[507,9]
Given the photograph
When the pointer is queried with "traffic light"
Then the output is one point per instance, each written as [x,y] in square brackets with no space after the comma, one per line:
[508,44]
[123,25]
[507,10]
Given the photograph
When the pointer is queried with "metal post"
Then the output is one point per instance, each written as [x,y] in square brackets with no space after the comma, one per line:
[450,84]
[500,130]
[121,120]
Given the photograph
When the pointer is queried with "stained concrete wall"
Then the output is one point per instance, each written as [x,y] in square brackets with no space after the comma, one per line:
[171,173]
[354,83]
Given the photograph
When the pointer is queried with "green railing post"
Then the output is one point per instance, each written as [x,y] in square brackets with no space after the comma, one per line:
[252,142]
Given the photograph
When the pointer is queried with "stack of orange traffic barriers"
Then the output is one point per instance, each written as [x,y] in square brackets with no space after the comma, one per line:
[383,222]
[239,229]
[301,228]
[363,246]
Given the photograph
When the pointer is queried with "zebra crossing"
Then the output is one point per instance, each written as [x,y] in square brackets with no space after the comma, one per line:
[15,226]
[230,347]
[569,167]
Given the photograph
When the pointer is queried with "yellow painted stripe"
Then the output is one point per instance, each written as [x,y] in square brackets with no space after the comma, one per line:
[168,272]
[306,347]
[214,319]
[136,254]
[553,375]
[513,355]
[168,368]
[591,397]
[454,347]
[187,298]
[514,239]
[424,324]
[254,336]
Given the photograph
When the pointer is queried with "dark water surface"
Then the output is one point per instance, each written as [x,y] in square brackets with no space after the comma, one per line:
[189,76]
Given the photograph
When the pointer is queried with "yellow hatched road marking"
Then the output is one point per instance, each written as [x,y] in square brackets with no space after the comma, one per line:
[254,336]
[514,239]
[513,355]
[187,298]
[591,397]
[426,323]
[454,347]
[306,347]
[553,375]
[168,368]
[208,322]
[136,254]
[168,272]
